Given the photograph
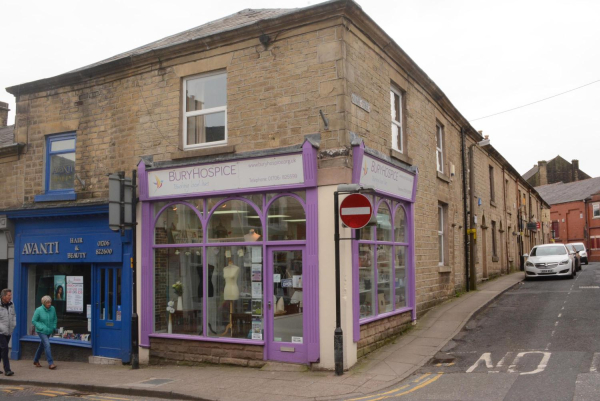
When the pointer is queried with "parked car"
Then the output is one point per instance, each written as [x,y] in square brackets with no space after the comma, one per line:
[549,260]
[582,251]
[576,257]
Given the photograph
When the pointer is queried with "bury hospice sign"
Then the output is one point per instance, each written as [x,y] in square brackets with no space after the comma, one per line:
[386,178]
[265,172]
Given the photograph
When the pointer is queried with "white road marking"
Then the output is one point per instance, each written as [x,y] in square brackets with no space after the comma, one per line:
[595,361]
[560,314]
[555,324]
[540,368]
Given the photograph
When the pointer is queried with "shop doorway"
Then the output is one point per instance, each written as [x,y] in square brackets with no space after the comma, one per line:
[285,324]
[110,339]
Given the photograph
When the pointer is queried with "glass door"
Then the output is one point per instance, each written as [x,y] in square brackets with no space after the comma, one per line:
[285,316]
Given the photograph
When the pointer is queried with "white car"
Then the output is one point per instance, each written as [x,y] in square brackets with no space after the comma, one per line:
[549,260]
[580,247]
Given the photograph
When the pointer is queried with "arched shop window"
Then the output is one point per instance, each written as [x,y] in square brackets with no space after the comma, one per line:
[286,220]
[178,270]
[382,254]
[234,221]
[207,281]
[177,224]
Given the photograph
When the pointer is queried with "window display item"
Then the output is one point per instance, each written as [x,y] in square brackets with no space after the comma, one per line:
[251,236]
[230,274]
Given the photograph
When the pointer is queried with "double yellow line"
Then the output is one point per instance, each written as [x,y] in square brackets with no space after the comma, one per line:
[396,392]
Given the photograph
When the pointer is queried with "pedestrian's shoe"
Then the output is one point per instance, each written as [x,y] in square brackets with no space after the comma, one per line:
[37,365]
[9,373]
[53,366]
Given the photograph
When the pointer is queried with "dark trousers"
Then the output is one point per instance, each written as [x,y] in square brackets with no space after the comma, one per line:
[4,339]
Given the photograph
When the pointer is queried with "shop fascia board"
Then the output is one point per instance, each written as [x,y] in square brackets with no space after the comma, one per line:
[39,211]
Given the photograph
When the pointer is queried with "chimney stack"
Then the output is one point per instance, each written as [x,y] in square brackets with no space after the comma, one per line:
[574,170]
[4,114]
[543,172]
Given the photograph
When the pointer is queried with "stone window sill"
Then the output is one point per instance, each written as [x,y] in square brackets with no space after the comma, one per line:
[495,259]
[55,197]
[217,150]
[401,156]
[493,203]
[443,177]
[444,269]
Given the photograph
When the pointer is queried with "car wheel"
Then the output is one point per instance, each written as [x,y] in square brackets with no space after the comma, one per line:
[573,273]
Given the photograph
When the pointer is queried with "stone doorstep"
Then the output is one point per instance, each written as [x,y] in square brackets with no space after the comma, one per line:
[100,360]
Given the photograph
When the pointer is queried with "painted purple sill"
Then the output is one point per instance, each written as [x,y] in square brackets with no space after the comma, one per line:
[207,339]
[385,315]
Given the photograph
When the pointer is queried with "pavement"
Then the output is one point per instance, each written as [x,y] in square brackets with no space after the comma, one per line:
[375,372]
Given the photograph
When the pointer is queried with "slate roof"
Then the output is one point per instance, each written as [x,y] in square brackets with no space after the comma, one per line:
[530,173]
[7,135]
[573,191]
[229,23]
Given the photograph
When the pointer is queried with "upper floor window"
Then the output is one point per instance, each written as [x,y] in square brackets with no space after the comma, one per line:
[396,106]
[596,210]
[492,190]
[439,147]
[60,163]
[205,113]
[441,236]
[494,246]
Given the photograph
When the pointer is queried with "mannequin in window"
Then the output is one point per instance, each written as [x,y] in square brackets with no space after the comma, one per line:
[252,236]
[230,274]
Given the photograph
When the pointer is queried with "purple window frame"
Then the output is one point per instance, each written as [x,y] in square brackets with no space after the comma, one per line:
[311,263]
[410,272]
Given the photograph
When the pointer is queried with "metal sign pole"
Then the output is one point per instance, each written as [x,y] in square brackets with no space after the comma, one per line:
[338,337]
[134,316]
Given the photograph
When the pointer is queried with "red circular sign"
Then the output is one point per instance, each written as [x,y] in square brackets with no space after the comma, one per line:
[356,211]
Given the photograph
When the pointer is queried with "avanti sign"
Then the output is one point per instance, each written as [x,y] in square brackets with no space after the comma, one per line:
[86,248]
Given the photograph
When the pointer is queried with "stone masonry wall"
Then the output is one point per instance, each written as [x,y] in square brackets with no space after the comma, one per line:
[376,334]
[274,98]
[186,352]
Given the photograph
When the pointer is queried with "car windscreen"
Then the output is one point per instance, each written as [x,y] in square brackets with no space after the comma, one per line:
[579,247]
[549,251]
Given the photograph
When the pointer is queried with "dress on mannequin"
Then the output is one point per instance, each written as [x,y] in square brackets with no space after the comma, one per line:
[252,236]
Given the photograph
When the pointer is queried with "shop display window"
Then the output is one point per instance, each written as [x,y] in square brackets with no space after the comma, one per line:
[178,224]
[234,221]
[225,281]
[178,290]
[235,307]
[366,280]
[70,287]
[382,257]
[286,220]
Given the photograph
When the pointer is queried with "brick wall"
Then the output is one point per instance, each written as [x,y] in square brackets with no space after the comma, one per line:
[376,334]
[186,352]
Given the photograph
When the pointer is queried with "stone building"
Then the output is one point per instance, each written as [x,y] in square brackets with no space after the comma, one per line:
[240,131]
[553,171]
[574,212]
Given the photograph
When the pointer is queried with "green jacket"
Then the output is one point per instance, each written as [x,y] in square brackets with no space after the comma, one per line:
[44,320]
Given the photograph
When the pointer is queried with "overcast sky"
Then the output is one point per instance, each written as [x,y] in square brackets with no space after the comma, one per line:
[487,57]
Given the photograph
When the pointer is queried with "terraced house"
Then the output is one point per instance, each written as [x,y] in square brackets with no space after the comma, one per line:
[240,131]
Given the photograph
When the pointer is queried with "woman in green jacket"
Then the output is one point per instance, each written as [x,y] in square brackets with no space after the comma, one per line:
[44,320]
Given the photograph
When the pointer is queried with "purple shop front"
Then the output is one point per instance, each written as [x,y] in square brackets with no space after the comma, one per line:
[230,258]
[383,258]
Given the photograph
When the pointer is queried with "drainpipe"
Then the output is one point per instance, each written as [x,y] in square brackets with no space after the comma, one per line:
[473,225]
[505,221]
[465,223]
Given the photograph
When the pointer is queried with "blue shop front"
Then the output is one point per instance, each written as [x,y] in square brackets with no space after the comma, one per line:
[71,255]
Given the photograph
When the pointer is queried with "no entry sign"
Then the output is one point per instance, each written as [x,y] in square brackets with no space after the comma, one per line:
[356,211]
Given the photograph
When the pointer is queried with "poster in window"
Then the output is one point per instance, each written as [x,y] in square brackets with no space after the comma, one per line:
[59,288]
[74,293]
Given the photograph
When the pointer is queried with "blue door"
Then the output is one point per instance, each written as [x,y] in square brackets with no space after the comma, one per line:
[111,313]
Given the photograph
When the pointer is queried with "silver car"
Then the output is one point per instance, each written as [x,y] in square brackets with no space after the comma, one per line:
[549,260]
[580,247]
